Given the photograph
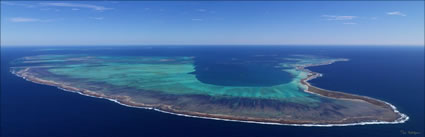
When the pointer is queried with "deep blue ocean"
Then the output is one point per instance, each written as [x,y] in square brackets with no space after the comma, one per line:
[391,73]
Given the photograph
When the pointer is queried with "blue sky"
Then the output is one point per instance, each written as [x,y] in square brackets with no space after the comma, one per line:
[212,23]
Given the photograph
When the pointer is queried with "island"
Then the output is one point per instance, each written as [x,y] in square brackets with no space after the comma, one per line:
[167,84]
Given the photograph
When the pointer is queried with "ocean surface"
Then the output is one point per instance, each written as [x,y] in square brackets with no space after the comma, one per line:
[394,74]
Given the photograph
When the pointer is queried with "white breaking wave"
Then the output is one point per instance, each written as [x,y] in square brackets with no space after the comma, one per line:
[402,119]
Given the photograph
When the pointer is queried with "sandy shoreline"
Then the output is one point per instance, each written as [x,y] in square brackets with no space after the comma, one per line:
[126,101]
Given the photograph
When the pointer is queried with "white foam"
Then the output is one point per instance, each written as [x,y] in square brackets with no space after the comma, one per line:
[402,119]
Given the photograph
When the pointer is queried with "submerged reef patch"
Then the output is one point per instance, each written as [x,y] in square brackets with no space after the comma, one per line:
[168,84]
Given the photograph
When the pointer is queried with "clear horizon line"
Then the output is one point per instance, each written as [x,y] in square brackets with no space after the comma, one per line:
[64,45]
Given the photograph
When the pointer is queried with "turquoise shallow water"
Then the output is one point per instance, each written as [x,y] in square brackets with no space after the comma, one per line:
[373,71]
[173,75]
[171,81]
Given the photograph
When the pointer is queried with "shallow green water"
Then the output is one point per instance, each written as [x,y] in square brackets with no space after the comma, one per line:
[172,75]
[170,81]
